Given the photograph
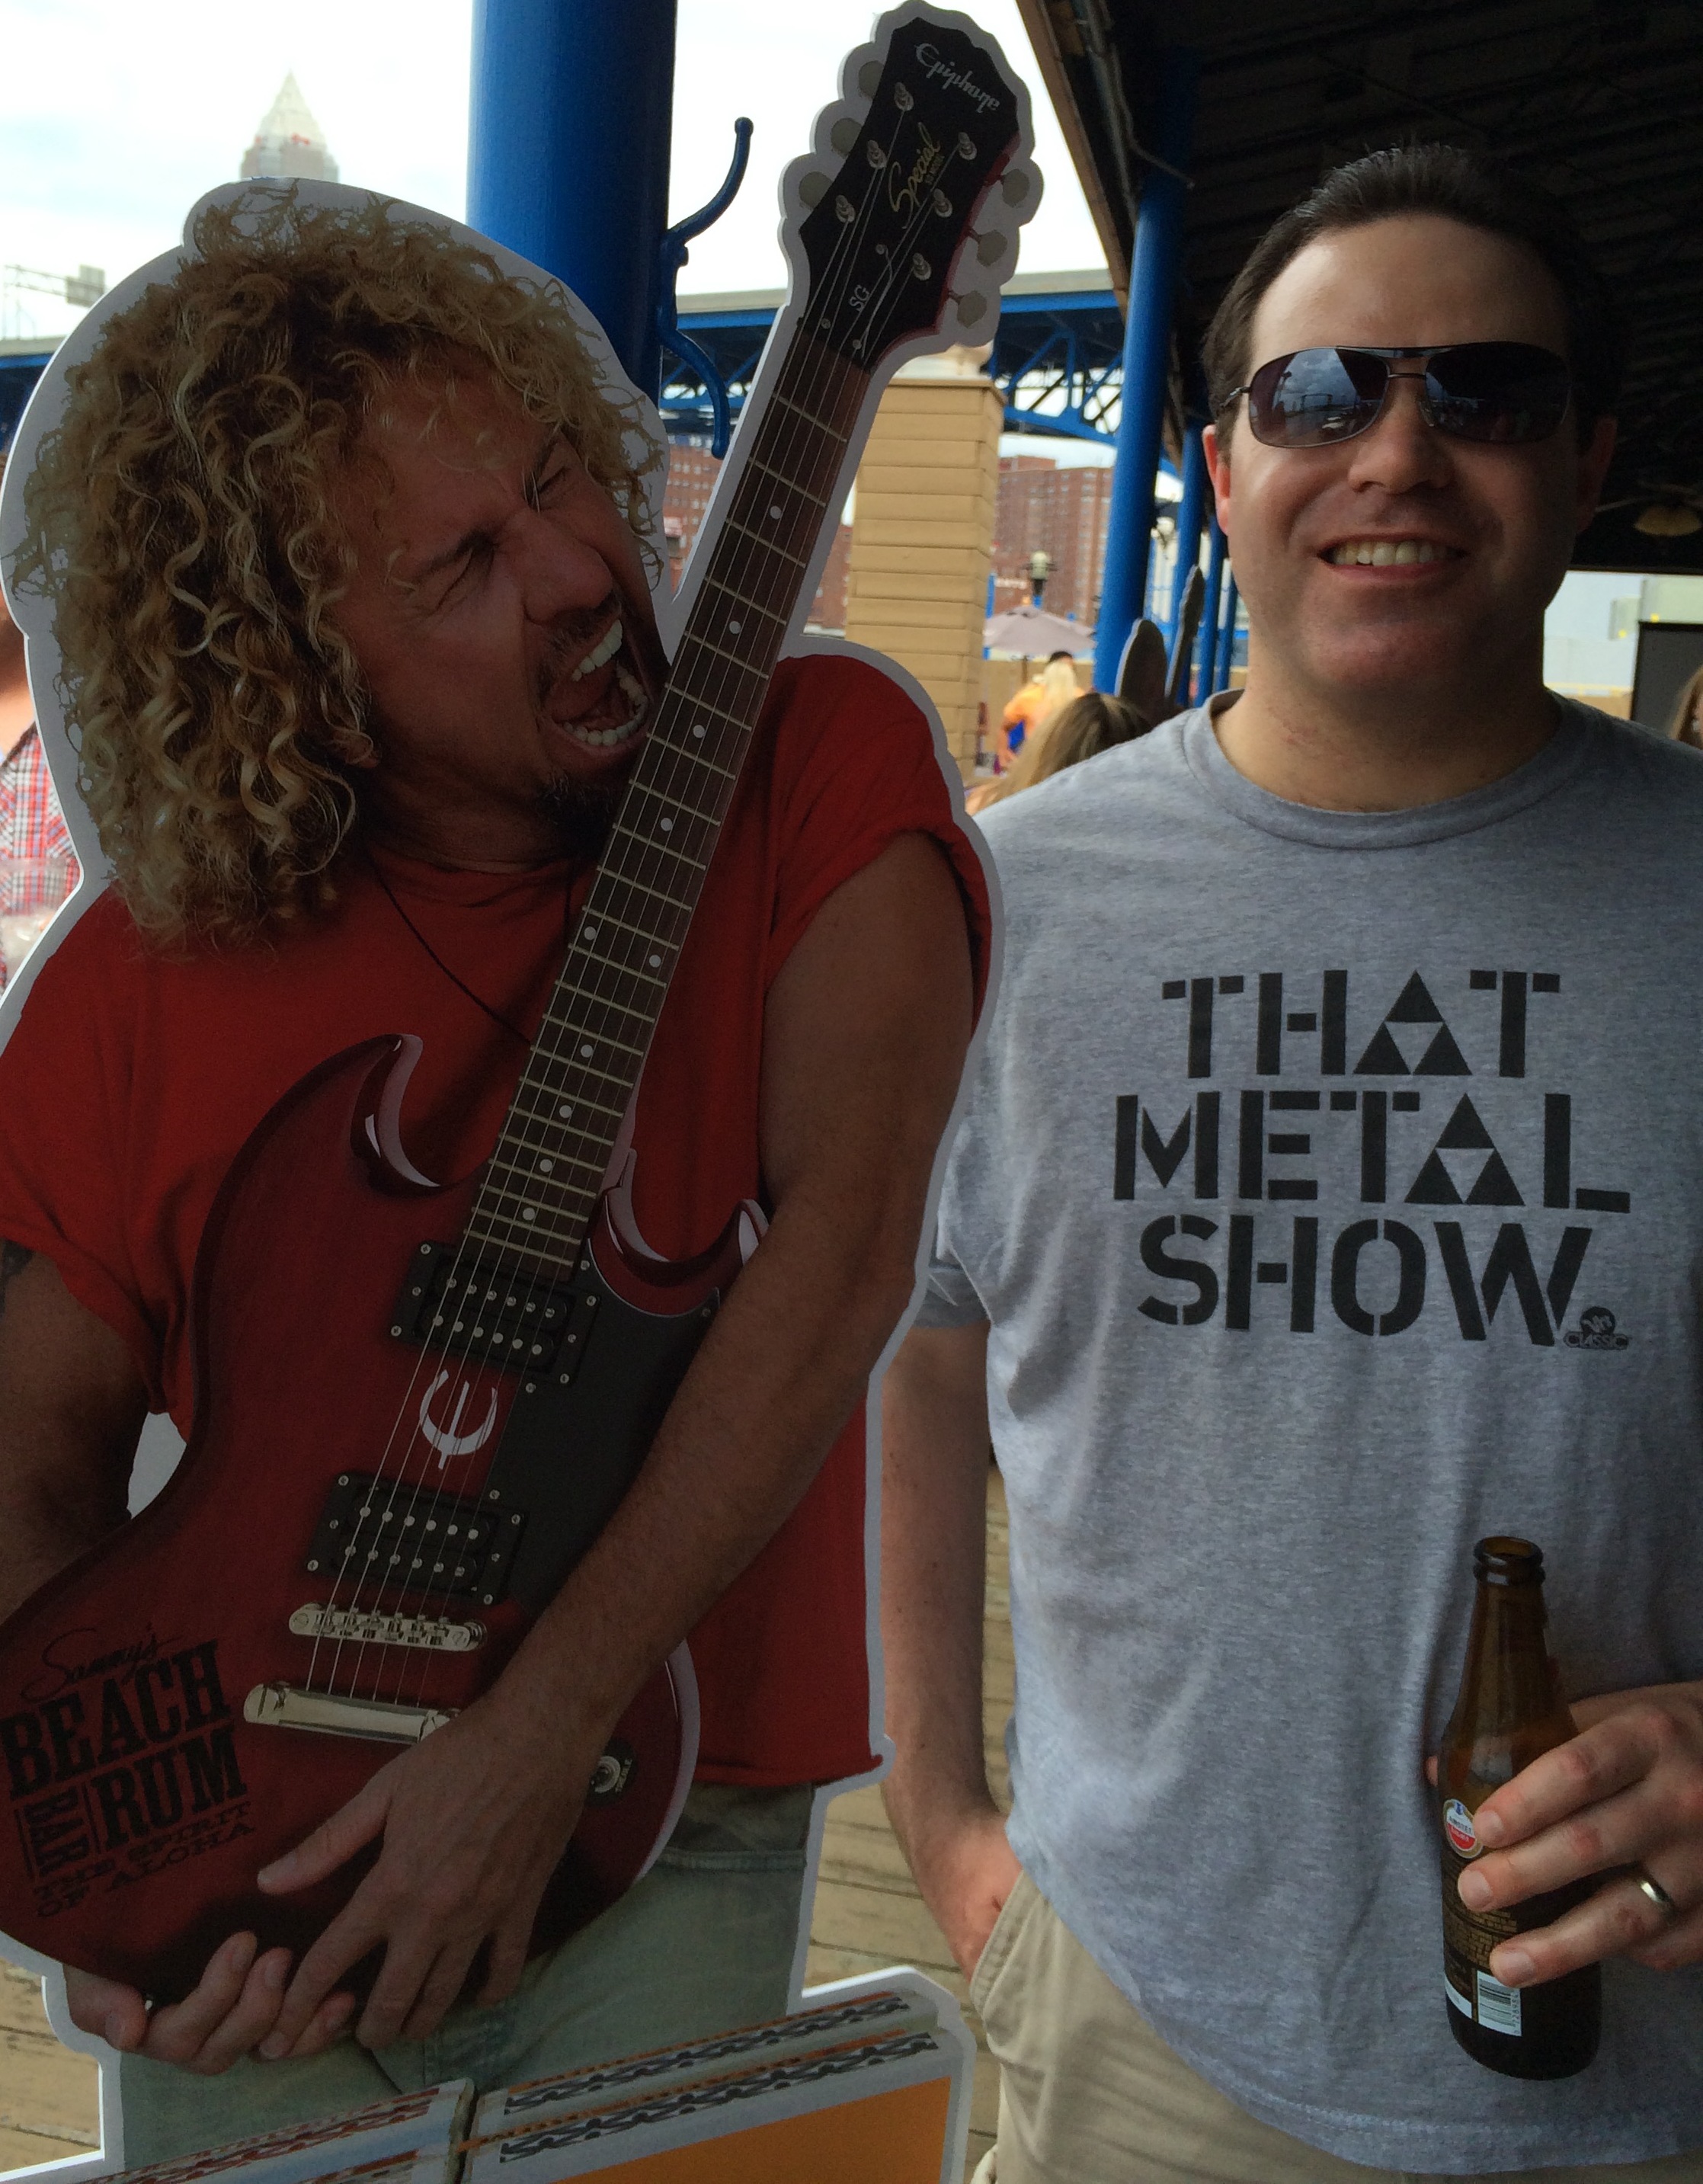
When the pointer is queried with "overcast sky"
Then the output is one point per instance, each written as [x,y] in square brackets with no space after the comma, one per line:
[116,114]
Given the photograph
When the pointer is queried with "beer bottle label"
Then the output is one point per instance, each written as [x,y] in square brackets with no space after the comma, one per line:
[1469,1937]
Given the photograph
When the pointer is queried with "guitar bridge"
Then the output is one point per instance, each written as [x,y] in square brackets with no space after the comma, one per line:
[450,1301]
[361,1626]
[286,1706]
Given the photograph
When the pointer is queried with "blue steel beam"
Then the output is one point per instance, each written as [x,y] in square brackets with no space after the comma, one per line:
[567,156]
[1061,346]
[1207,650]
[1191,521]
[1146,369]
[1227,647]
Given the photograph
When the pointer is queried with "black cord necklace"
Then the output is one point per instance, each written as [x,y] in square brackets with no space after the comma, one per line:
[478,1001]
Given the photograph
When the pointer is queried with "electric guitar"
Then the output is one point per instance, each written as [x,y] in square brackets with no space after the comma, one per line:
[344,1559]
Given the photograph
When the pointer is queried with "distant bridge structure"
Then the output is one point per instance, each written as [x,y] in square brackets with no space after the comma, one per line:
[1058,357]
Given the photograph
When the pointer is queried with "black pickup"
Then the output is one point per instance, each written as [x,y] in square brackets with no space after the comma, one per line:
[407,1538]
[454,1301]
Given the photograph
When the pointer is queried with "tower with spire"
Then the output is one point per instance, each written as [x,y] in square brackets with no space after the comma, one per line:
[289,141]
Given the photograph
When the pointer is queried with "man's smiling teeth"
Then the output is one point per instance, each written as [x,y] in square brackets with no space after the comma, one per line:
[1385,552]
[633,691]
[606,648]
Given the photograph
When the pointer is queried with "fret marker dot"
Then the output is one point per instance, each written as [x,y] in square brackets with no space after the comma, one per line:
[591,933]
[564,1110]
[529,1213]
[656,962]
[547,1165]
[700,730]
[774,515]
[736,627]
[668,826]
[586,1052]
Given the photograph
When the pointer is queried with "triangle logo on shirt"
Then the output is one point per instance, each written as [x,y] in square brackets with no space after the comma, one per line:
[1415,1055]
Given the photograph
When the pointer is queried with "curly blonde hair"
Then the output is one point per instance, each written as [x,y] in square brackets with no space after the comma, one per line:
[182,520]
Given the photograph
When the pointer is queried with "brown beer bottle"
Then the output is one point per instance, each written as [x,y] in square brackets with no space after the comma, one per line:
[1510,1710]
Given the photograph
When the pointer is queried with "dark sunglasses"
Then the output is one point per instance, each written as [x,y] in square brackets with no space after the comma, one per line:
[1506,392]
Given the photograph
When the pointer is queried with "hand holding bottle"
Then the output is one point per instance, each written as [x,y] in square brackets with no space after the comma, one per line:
[1627,1790]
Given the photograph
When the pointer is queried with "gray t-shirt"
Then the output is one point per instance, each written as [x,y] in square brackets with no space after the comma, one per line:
[1333,1185]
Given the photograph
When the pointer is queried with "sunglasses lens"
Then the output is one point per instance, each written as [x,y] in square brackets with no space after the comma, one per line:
[1316,396]
[1500,391]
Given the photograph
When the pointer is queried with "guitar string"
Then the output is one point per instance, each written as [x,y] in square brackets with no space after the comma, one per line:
[724,567]
[717,576]
[732,573]
[475,1380]
[726,575]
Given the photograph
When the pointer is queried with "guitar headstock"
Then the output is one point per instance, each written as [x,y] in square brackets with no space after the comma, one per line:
[905,212]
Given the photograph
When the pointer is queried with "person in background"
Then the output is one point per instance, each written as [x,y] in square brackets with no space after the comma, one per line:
[1093,723]
[1055,686]
[37,866]
[1686,725]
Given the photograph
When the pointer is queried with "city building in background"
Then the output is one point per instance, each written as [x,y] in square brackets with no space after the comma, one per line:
[1047,508]
[289,141]
[692,475]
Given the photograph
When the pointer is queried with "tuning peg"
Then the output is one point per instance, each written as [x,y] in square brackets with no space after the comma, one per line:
[990,248]
[843,133]
[869,79]
[971,306]
[814,188]
[1014,184]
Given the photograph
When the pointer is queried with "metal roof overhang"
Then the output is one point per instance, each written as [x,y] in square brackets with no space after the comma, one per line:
[1599,100]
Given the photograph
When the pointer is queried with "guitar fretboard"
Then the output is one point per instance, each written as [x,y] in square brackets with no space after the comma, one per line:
[540,1190]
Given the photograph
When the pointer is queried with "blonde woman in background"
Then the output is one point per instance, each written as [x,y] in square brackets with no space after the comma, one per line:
[1686,724]
[1089,724]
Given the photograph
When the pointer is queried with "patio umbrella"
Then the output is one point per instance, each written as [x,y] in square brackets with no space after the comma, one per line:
[1033,633]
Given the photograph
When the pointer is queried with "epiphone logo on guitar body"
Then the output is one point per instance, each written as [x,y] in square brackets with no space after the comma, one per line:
[450,1441]
[129,1766]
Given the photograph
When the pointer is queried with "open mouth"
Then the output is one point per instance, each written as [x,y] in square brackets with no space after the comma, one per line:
[600,702]
[1387,553]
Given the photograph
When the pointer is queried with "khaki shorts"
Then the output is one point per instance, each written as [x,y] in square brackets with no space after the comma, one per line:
[1089,2094]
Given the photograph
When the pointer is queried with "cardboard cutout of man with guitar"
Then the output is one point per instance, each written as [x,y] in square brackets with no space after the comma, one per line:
[342,538]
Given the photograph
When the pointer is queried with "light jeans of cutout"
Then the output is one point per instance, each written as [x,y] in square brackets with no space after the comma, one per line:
[703,1944]
[1089,2094]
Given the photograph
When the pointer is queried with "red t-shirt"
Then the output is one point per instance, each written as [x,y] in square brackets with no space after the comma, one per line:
[132,1079]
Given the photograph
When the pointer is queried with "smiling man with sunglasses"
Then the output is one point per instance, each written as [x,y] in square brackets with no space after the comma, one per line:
[1329,1193]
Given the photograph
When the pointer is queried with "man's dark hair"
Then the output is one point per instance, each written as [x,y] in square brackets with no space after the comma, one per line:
[1052,656]
[1471,187]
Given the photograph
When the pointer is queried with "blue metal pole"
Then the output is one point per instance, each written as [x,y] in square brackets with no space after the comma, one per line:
[1191,511]
[1206,649]
[567,155]
[1146,366]
[1226,646]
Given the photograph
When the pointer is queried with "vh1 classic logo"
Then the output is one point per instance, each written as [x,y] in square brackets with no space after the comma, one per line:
[134,1769]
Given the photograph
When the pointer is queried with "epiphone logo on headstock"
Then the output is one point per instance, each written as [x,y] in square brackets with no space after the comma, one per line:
[938,69]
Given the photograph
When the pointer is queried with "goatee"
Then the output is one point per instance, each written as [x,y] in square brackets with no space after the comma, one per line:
[582,812]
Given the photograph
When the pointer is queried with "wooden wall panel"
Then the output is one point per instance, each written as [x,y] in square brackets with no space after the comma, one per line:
[922,537]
